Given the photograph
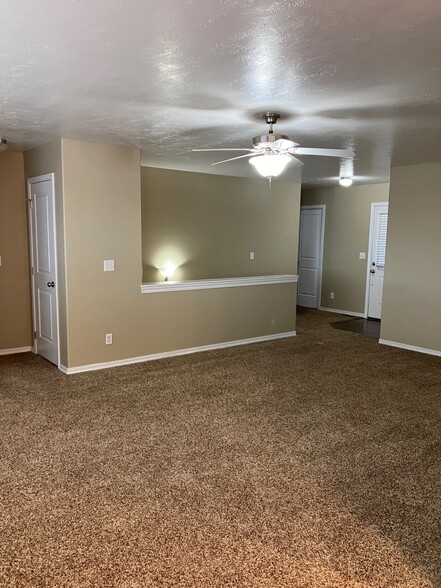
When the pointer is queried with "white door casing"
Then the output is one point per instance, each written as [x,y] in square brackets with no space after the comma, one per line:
[377,259]
[43,266]
[311,237]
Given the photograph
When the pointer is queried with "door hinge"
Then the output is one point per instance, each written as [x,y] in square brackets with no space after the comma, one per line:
[32,270]
[35,334]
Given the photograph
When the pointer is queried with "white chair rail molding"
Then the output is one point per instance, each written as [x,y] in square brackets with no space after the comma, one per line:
[170,286]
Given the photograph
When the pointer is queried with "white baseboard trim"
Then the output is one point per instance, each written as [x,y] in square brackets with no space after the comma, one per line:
[409,347]
[348,312]
[15,350]
[119,362]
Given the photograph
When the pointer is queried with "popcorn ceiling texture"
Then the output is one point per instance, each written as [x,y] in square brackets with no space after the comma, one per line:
[311,462]
[176,74]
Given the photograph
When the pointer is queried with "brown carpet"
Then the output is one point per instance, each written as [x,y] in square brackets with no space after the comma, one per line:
[309,462]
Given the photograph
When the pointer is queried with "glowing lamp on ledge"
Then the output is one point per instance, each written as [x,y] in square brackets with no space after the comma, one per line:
[270,165]
[167,270]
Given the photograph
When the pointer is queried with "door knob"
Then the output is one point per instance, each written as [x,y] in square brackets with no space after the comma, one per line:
[51,284]
[372,271]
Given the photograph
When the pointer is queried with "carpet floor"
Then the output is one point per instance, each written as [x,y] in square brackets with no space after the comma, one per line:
[309,462]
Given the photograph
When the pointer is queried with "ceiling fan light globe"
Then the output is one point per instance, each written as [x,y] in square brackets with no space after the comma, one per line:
[345,182]
[270,165]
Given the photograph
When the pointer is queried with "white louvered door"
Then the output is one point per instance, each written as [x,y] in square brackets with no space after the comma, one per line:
[378,260]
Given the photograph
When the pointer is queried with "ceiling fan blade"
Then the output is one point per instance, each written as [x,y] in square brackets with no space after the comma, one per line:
[323,152]
[238,157]
[226,149]
[283,144]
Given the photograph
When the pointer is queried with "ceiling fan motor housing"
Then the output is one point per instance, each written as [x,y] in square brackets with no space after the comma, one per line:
[265,141]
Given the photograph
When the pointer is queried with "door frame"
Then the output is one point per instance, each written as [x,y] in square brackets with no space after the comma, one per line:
[30,182]
[374,205]
[322,246]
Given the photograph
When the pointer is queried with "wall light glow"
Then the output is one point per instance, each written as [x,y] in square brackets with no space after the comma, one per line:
[167,270]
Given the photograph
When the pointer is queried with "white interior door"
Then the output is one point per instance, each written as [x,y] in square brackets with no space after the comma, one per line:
[312,223]
[378,239]
[43,270]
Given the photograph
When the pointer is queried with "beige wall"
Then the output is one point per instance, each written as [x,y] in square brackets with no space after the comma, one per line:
[207,225]
[412,290]
[346,235]
[102,221]
[41,161]
[15,309]
[102,196]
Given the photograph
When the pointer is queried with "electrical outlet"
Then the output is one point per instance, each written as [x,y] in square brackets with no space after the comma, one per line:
[109,265]
[109,339]
[362,255]
[331,295]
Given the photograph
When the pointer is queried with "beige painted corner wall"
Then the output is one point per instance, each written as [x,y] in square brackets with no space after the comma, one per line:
[102,221]
[15,305]
[412,286]
[102,196]
[41,161]
[207,225]
[346,235]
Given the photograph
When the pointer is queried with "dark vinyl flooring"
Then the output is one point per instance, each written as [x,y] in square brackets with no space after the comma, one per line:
[370,327]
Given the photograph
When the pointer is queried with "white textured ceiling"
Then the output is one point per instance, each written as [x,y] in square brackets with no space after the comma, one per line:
[170,75]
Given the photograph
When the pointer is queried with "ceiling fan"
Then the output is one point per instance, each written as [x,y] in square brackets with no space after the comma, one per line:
[271,153]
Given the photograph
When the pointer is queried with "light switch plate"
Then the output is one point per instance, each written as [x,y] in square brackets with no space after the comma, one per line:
[251,255]
[109,265]
[362,255]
